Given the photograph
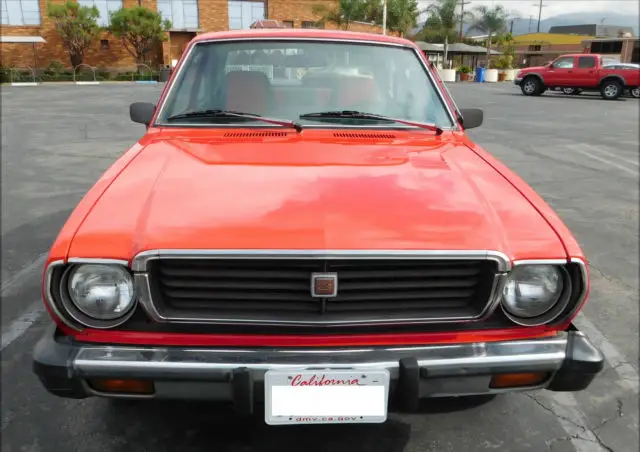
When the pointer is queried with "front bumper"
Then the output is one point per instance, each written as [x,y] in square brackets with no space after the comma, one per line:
[237,375]
[517,81]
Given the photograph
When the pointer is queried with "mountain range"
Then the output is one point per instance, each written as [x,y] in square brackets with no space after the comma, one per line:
[522,25]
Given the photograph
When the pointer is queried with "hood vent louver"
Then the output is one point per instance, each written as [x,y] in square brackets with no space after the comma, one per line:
[255,134]
[365,135]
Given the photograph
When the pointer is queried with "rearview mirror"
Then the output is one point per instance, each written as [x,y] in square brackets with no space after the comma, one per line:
[471,117]
[141,112]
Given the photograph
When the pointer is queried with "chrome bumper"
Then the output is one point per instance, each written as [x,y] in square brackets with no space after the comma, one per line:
[226,374]
[215,364]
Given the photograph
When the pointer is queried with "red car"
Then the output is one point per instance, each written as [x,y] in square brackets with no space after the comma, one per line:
[579,72]
[322,240]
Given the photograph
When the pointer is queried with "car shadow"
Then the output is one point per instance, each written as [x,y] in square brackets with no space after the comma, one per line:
[568,96]
[205,426]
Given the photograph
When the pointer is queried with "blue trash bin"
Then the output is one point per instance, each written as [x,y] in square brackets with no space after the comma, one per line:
[480,74]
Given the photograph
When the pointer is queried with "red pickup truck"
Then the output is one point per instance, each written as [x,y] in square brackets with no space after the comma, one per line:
[582,71]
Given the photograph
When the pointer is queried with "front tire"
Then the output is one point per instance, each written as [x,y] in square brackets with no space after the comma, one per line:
[611,89]
[532,86]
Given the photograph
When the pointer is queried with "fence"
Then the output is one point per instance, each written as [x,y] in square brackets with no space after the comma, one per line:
[85,82]
[138,76]
[17,77]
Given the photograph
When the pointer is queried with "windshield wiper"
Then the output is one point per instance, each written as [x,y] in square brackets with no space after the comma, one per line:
[363,115]
[235,114]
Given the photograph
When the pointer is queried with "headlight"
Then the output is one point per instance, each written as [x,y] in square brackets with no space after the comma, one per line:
[101,292]
[535,294]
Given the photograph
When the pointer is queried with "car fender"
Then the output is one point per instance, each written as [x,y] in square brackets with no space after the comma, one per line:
[534,74]
[612,76]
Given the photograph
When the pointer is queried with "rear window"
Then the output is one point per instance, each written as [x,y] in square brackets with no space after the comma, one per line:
[586,62]
[285,79]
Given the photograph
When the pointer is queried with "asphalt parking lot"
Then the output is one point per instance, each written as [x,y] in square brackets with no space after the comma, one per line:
[580,153]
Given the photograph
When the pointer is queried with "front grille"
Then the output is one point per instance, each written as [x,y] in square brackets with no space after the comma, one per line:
[279,290]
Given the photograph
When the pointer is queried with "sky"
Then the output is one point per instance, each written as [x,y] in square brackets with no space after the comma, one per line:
[526,8]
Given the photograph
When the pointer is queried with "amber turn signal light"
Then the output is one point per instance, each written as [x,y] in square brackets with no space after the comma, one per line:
[502,381]
[115,386]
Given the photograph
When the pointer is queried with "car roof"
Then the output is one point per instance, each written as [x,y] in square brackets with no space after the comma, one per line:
[303,33]
[580,55]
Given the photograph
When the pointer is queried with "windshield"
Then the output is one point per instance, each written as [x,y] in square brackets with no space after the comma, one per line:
[291,78]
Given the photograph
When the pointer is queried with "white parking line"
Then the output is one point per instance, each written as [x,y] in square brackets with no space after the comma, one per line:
[8,283]
[20,326]
[580,150]
[612,154]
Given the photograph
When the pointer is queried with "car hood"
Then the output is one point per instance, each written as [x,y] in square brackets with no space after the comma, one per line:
[435,193]
[531,69]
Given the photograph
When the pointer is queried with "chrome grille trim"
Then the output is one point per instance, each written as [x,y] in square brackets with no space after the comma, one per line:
[140,266]
[139,262]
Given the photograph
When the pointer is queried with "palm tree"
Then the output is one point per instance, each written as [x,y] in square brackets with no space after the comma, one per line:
[346,12]
[491,21]
[443,19]
[402,15]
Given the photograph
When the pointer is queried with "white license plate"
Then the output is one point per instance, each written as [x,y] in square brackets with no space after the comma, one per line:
[326,396]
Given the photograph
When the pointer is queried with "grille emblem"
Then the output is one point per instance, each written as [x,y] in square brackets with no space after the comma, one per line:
[324,285]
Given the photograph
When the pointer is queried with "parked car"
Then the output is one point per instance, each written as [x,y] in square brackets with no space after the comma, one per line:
[332,253]
[635,92]
[577,73]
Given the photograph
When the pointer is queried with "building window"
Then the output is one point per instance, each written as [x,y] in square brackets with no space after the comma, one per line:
[243,14]
[20,12]
[104,44]
[308,24]
[106,7]
[535,48]
[287,23]
[183,14]
[606,47]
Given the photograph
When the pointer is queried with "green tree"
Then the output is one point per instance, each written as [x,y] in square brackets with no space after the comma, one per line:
[77,26]
[402,15]
[140,30]
[490,21]
[443,19]
[343,15]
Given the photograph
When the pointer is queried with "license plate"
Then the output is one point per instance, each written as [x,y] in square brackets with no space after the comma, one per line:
[326,396]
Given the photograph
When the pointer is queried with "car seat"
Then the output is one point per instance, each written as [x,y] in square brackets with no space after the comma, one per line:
[250,92]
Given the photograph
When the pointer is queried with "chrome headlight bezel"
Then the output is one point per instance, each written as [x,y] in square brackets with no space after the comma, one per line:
[72,310]
[555,310]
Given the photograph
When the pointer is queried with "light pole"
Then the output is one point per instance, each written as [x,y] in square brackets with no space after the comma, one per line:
[540,6]
[384,17]
[462,3]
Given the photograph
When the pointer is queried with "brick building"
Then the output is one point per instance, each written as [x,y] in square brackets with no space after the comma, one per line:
[627,49]
[535,49]
[189,17]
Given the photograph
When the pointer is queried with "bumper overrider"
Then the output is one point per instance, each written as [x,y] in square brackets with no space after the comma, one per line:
[564,362]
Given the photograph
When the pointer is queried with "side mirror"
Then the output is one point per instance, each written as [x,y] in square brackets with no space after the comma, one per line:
[471,117]
[141,112]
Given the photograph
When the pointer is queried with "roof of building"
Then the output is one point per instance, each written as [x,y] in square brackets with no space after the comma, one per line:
[591,39]
[267,23]
[301,33]
[549,38]
[600,30]
[457,47]
[22,39]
